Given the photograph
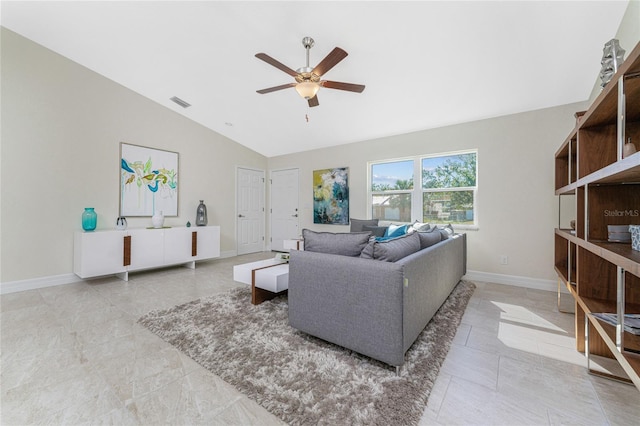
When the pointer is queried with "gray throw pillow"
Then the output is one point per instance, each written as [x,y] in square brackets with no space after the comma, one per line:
[393,249]
[376,231]
[345,244]
[427,239]
[446,231]
[357,224]
[420,227]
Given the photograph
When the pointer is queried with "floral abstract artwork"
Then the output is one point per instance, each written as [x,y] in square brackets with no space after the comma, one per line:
[331,196]
[148,181]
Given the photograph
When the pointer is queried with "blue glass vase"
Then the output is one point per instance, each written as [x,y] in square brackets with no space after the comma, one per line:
[89,219]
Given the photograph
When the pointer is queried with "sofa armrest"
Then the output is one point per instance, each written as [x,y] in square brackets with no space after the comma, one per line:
[355,303]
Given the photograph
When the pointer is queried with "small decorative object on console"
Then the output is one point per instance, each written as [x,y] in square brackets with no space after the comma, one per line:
[121,223]
[634,230]
[157,220]
[201,214]
[612,58]
[89,219]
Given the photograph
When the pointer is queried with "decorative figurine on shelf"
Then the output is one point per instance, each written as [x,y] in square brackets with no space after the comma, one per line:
[121,223]
[628,149]
[188,224]
[612,58]
[201,214]
[89,219]
[157,219]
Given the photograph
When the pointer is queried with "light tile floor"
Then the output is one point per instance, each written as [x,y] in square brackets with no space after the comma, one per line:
[74,354]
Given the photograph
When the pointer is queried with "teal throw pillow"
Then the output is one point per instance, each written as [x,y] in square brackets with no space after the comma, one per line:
[396,231]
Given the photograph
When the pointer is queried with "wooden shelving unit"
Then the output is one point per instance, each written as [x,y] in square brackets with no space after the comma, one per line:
[602,276]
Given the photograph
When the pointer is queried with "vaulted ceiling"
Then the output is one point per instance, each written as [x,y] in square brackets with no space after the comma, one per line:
[425,64]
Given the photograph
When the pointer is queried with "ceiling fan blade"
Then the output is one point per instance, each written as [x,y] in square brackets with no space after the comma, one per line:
[313,102]
[329,61]
[273,89]
[268,59]
[349,87]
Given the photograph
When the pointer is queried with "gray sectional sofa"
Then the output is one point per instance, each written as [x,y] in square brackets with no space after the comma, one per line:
[373,297]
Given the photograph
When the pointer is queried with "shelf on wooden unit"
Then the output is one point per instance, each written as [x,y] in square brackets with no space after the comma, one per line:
[567,190]
[626,170]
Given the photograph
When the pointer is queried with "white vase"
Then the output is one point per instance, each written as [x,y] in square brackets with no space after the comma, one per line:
[121,223]
[157,219]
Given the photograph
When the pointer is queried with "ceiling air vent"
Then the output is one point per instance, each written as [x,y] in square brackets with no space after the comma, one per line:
[180,102]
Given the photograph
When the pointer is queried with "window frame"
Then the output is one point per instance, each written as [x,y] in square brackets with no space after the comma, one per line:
[417,193]
[371,193]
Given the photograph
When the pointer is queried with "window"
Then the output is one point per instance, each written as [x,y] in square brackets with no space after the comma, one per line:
[447,193]
[392,190]
[449,189]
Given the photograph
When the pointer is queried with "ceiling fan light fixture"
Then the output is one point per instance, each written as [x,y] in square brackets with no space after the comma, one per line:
[307,89]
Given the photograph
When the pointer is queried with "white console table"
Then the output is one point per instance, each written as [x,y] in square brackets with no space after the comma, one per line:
[120,252]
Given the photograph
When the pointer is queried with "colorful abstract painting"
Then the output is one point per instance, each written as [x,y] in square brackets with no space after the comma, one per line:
[148,181]
[331,196]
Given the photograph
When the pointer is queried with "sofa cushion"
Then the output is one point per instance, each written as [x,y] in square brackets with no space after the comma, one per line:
[429,238]
[393,249]
[357,224]
[376,231]
[446,231]
[345,244]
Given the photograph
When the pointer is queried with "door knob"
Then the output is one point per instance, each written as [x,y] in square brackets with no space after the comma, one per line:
[294,215]
[240,215]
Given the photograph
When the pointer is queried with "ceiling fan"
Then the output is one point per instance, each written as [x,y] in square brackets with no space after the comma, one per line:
[308,79]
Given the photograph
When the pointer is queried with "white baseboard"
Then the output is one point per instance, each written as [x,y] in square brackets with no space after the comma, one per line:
[50,281]
[35,283]
[533,283]
[515,280]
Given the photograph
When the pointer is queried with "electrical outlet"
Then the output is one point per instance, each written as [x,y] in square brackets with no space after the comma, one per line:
[504,259]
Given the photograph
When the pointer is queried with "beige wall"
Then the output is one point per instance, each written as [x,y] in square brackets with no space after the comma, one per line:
[62,125]
[517,208]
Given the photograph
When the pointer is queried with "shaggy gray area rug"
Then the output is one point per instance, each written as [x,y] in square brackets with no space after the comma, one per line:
[302,379]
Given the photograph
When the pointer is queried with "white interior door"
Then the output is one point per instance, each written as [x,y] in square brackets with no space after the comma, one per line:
[284,207]
[250,210]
